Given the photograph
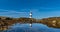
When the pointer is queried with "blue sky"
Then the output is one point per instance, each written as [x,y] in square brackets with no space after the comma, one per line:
[21,8]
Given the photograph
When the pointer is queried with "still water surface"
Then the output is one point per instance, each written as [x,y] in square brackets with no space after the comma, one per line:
[36,27]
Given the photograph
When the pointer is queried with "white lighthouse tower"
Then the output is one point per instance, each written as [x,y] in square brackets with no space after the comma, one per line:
[30,17]
[30,14]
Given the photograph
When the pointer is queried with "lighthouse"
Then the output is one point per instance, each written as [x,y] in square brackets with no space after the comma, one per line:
[30,17]
[30,14]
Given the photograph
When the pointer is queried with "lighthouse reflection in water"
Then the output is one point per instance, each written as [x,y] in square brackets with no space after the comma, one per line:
[36,27]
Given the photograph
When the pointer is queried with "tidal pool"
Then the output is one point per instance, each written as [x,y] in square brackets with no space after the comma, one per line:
[36,27]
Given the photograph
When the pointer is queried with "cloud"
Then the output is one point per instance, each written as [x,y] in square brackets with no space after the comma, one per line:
[9,11]
[46,8]
[12,13]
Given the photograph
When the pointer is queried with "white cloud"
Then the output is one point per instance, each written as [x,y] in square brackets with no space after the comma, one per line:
[9,11]
[49,8]
[12,13]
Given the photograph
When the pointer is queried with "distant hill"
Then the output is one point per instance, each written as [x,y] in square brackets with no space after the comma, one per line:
[51,22]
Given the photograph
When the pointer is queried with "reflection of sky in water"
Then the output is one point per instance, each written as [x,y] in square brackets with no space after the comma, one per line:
[35,28]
